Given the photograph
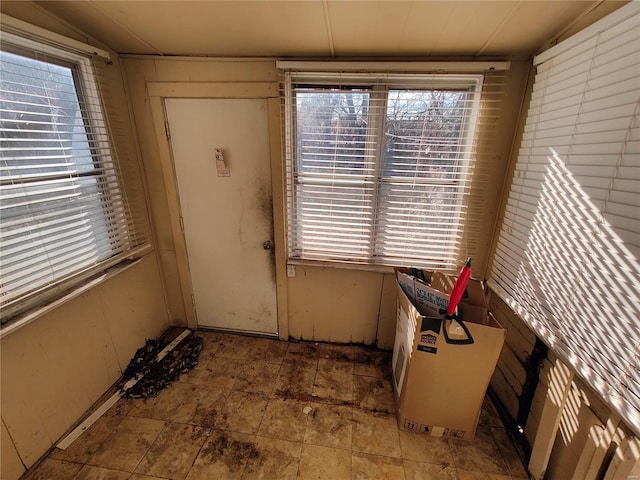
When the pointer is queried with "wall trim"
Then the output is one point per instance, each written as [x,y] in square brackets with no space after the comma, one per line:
[213,90]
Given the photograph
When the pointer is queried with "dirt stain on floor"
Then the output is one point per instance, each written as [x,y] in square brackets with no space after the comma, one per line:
[381,360]
[286,394]
[234,453]
[338,356]
[206,417]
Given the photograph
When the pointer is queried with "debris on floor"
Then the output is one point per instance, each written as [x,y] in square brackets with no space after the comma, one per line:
[155,375]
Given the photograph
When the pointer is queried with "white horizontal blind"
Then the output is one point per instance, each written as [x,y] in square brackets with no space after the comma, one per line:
[384,169]
[568,253]
[336,159]
[63,212]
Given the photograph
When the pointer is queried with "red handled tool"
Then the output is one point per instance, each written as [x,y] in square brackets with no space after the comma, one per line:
[458,288]
[460,331]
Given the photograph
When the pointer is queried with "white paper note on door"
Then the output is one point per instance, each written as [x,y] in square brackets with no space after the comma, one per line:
[221,167]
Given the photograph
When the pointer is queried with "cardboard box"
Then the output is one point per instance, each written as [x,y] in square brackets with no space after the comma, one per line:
[439,386]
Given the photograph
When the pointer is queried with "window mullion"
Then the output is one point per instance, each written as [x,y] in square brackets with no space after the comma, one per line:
[467,163]
[377,118]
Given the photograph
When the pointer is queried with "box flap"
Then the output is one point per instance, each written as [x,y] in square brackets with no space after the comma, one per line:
[475,288]
[430,301]
[406,281]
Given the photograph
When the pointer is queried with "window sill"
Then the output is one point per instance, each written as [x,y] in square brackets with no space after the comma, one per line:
[30,315]
[341,265]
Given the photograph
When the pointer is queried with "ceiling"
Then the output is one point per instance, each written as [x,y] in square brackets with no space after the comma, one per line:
[327,28]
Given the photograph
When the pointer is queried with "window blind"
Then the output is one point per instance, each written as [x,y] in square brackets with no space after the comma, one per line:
[64,214]
[387,168]
[567,257]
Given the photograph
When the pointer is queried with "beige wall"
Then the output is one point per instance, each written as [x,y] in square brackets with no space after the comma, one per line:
[56,367]
[319,303]
[343,306]
[11,465]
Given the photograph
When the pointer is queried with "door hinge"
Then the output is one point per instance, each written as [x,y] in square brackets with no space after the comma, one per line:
[181,224]
[193,300]
[166,130]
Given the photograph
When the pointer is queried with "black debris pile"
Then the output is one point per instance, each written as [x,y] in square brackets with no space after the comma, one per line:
[157,375]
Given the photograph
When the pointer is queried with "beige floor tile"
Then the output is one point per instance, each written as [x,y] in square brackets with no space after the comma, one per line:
[211,341]
[219,372]
[173,451]
[374,394]
[329,426]
[481,454]
[208,352]
[427,471]
[89,472]
[368,467]
[162,406]
[139,476]
[268,350]
[249,395]
[332,366]
[201,406]
[509,453]
[257,376]
[471,475]
[322,463]
[375,433]
[284,419]
[128,443]
[425,448]
[235,346]
[89,442]
[224,456]
[336,388]
[295,381]
[474,475]
[302,354]
[372,363]
[242,412]
[52,469]
[276,459]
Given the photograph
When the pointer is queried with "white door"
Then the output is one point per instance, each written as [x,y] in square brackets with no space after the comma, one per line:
[228,220]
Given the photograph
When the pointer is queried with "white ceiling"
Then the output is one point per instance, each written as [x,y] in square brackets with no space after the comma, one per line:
[326,28]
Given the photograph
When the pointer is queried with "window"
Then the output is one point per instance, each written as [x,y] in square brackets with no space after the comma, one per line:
[63,211]
[381,167]
[567,258]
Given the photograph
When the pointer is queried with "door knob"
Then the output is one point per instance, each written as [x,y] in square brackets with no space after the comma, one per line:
[267,245]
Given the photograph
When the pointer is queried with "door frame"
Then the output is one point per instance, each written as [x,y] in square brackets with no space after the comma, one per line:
[158,92]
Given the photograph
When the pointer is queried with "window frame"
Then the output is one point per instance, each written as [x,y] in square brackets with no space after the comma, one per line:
[378,86]
[120,228]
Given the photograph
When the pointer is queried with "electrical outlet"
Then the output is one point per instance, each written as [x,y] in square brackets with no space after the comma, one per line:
[291,270]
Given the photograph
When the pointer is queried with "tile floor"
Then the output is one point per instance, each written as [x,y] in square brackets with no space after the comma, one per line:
[257,408]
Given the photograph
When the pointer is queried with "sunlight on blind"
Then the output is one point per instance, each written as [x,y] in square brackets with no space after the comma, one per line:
[382,168]
[63,211]
[567,259]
